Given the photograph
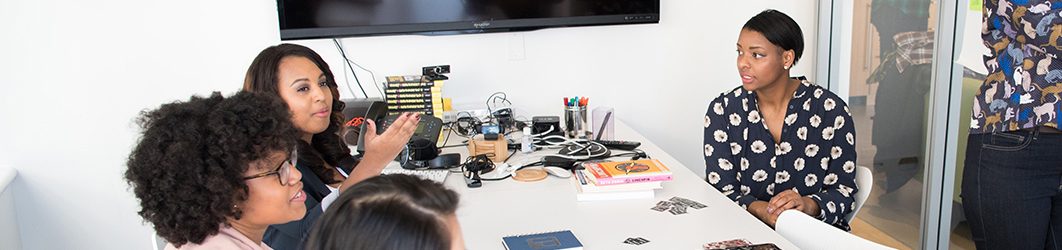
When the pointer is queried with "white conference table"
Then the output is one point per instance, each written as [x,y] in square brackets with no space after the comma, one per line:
[510,207]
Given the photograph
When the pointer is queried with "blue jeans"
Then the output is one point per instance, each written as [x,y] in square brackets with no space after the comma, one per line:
[1011,190]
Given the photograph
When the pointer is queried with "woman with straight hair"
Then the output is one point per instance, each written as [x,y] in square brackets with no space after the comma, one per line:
[302,79]
[390,212]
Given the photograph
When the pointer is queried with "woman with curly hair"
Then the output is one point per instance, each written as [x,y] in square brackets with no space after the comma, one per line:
[300,77]
[215,172]
[392,211]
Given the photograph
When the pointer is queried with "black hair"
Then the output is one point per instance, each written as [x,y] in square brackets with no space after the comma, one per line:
[780,30]
[392,212]
[187,168]
[328,144]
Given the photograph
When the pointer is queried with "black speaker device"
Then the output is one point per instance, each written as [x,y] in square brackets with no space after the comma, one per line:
[541,124]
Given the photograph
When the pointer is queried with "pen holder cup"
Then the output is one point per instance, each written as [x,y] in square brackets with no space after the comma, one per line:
[575,122]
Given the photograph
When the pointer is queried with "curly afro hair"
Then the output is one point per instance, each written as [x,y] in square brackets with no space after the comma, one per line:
[391,211]
[187,169]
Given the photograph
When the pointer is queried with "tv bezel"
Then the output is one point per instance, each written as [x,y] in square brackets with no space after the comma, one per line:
[466,27]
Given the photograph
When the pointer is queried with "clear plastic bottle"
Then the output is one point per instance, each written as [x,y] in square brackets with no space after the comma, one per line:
[525,144]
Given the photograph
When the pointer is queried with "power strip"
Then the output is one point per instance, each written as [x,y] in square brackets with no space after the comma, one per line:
[451,116]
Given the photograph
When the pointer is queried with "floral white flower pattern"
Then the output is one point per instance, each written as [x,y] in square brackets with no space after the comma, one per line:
[811,179]
[758,146]
[754,117]
[713,178]
[830,179]
[811,150]
[827,133]
[814,128]
[783,148]
[759,175]
[720,136]
[781,177]
[725,164]
[790,119]
[847,190]
[829,104]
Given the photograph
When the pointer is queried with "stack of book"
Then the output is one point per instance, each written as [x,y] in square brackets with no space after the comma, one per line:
[619,180]
[414,94]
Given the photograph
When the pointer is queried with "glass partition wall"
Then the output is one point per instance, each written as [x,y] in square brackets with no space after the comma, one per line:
[907,103]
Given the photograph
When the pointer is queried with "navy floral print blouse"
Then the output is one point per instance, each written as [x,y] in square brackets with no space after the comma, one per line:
[1022,88]
[816,157]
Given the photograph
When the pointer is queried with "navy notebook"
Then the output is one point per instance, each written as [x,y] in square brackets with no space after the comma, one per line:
[563,240]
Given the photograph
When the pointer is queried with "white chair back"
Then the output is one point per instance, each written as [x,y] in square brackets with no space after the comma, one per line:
[864,181]
[809,233]
[157,243]
[9,231]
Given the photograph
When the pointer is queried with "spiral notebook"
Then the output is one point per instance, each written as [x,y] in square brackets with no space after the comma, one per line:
[558,240]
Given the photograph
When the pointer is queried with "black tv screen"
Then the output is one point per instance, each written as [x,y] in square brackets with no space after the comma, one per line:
[304,19]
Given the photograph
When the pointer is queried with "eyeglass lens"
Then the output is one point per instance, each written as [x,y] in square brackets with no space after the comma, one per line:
[285,171]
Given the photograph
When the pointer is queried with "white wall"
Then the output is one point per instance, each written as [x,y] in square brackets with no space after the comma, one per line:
[73,75]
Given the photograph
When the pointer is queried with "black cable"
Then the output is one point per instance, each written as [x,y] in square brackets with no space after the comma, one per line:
[448,132]
[510,155]
[478,164]
[344,54]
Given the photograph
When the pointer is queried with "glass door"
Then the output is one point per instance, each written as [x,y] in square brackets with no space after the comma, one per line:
[885,58]
[892,52]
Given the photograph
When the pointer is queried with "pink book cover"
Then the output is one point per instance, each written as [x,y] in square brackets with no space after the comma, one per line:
[622,172]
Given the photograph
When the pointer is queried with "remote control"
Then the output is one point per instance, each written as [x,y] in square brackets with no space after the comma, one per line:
[621,145]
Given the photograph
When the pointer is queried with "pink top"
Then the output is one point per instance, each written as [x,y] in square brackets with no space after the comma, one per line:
[227,238]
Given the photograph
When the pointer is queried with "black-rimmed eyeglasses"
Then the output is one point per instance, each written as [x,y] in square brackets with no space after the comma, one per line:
[283,171]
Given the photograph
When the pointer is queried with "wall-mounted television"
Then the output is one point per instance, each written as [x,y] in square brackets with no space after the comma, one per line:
[307,19]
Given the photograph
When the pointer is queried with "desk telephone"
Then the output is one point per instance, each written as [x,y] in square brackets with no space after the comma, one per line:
[429,127]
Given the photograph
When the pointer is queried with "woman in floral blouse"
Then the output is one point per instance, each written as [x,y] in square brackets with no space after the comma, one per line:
[779,143]
[1012,181]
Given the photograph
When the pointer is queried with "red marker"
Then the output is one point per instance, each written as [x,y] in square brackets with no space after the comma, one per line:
[566,103]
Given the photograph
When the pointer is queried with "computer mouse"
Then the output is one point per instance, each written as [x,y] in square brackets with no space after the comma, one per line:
[558,172]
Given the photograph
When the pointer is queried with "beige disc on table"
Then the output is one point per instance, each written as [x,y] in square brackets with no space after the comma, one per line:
[529,174]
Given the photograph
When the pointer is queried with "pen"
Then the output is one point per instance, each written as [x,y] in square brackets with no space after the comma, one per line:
[566,103]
